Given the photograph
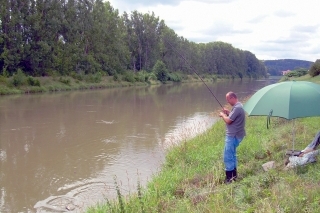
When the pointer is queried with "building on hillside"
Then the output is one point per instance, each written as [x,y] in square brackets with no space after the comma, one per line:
[285,72]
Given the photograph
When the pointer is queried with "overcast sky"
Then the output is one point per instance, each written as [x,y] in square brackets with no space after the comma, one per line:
[270,29]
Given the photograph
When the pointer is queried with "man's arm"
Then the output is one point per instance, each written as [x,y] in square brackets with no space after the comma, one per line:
[225,118]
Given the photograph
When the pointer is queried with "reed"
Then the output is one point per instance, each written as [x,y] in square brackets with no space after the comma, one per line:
[119,195]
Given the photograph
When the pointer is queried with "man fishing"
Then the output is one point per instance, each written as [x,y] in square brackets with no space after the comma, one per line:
[235,132]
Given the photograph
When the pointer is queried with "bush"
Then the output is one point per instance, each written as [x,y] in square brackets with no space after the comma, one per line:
[315,69]
[141,76]
[116,77]
[33,82]
[19,78]
[152,77]
[3,79]
[77,76]
[160,71]
[64,80]
[214,77]
[297,73]
[93,78]
[5,72]
[175,77]
[129,76]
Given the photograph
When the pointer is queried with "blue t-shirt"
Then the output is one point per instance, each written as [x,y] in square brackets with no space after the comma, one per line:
[237,115]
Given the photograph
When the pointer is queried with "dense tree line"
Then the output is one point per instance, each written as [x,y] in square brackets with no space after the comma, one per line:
[274,67]
[72,37]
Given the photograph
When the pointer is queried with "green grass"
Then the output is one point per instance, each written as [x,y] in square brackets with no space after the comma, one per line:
[65,83]
[307,77]
[62,83]
[191,179]
[19,83]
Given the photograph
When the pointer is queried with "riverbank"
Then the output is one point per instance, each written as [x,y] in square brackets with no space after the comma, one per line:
[57,84]
[191,179]
[21,84]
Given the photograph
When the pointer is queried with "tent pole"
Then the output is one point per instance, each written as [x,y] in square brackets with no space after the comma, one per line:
[293,135]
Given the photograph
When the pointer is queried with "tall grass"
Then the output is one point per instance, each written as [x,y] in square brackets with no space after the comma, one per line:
[191,179]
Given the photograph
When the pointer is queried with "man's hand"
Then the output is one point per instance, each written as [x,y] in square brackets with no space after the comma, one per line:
[221,114]
[225,117]
[226,111]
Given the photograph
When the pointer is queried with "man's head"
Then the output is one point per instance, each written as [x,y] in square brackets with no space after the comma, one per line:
[231,98]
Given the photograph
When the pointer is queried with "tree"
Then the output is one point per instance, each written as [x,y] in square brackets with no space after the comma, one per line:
[76,37]
[12,18]
[168,47]
[160,71]
[315,68]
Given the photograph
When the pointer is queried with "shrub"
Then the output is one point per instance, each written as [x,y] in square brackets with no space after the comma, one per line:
[77,76]
[18,78]
[152,77]
[129,76]
[297,73]
[116,77]
[93,78]
[160,71]
[5,72]
[32,81]
[214,77]
[141,76]
[53,73]
[175,77]
[315,69]
[64,80]
[3,79]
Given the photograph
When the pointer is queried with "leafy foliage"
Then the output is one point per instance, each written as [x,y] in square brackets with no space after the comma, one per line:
[315,68]
[129,76]
[18,78]
[175,77]
[79,37]
[32,81]
[160,71]
[297,73]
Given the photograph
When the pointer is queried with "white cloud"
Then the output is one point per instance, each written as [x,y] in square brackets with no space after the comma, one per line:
[270,29]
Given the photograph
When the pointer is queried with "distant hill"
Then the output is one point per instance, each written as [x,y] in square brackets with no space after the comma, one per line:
[274,67]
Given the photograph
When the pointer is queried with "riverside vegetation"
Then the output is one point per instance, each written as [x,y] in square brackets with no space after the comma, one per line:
[21,83]
[191,178]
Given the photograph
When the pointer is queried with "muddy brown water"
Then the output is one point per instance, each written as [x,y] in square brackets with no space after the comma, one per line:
[66,151]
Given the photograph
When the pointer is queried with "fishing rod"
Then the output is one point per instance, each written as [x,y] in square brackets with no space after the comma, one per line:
[174,50]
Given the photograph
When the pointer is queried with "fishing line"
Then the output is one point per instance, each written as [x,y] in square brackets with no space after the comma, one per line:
[174,50]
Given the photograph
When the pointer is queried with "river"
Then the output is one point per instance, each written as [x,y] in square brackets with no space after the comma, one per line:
[65,151]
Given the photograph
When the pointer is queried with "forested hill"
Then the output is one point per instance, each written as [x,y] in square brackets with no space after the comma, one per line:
[274,67]
[80,37]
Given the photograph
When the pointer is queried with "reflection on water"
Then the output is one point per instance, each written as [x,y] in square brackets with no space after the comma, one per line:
[65,151]
[187,128]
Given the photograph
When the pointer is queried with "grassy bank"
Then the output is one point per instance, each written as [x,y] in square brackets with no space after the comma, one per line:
[315,79]
[20,83]
[191,179]
[10,86]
